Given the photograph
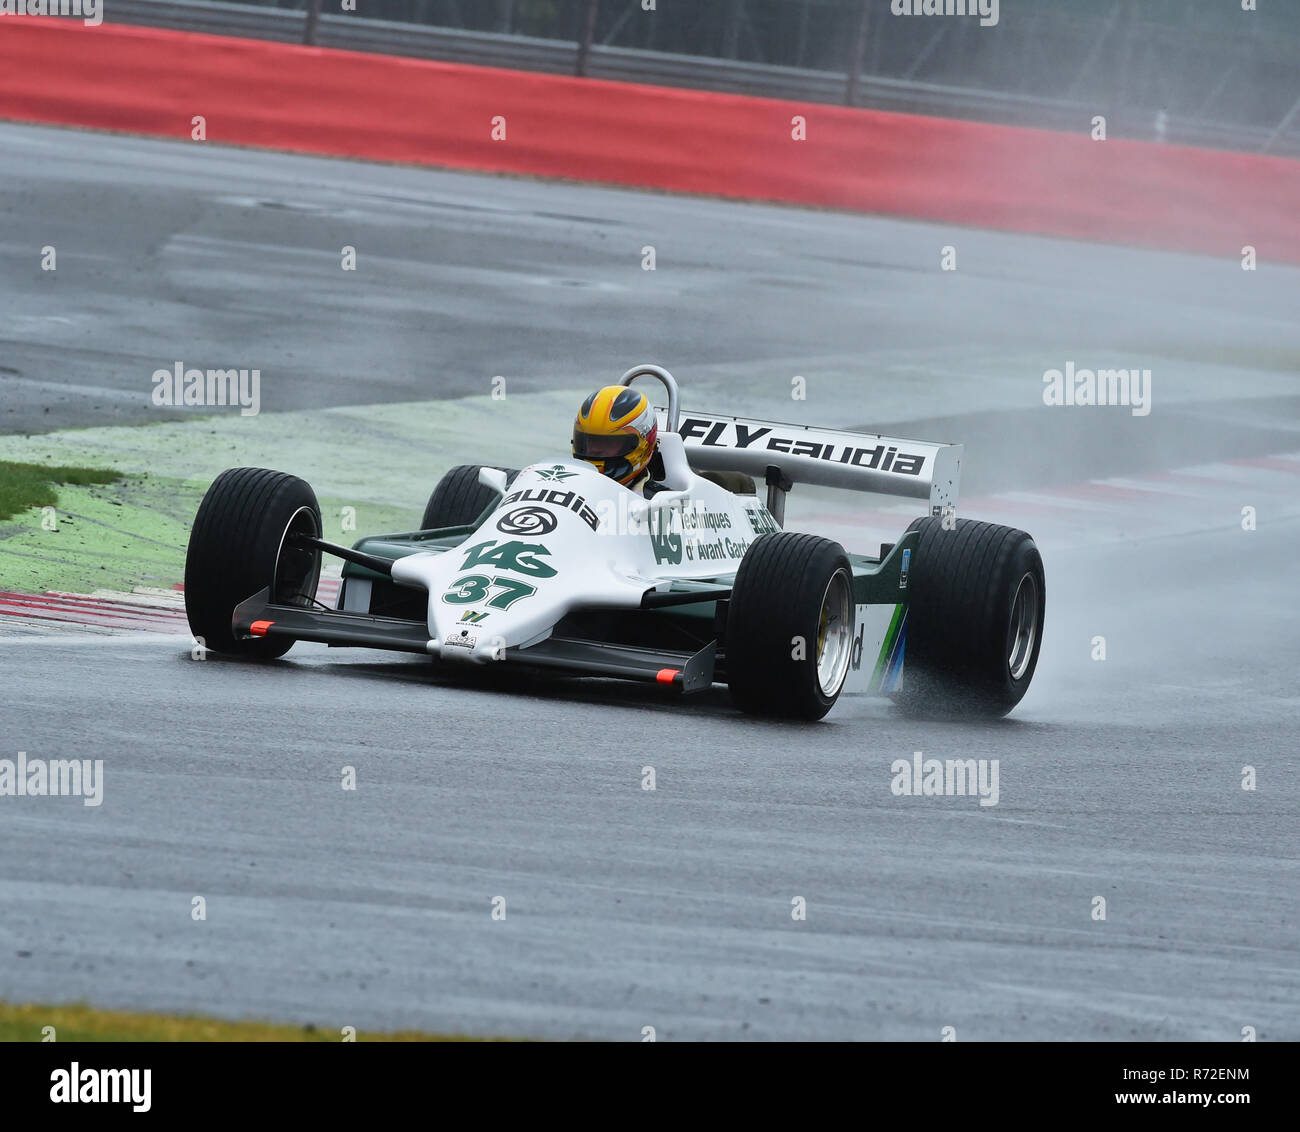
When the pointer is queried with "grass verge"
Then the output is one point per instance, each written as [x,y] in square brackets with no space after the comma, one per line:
[23,486]
[80,1023]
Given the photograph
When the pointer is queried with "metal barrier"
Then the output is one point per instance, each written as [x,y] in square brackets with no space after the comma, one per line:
[351,32]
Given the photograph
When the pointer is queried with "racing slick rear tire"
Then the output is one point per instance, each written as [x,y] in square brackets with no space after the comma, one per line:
[238,547]
[974,621]
[789,630]
[459,498]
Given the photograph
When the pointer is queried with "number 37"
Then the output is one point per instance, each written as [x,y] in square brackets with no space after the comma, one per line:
[473,590]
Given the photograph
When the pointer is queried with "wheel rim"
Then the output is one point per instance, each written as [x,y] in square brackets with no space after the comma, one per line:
[1023,630]
[835,634]
[297,569]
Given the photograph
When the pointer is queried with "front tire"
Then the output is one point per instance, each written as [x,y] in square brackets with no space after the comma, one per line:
[977,597]
[789,633]
[238,546]
[459,498]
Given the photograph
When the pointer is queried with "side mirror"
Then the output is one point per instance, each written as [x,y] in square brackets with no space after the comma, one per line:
[494,478]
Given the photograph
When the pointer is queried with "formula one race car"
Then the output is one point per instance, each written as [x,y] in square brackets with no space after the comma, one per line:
[557,567]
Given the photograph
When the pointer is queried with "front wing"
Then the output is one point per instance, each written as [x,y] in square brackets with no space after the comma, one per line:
[683,671]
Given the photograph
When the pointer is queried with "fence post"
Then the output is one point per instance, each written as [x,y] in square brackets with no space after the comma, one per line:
[858,55]
[588,35]
[313,19]
[731,29]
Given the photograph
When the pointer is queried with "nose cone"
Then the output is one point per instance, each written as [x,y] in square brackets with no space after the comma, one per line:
[470,644]
[545,550]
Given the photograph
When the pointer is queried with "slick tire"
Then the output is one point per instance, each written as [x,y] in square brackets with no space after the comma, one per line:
[238,547]
[789,629]
[977,597]
[459,498]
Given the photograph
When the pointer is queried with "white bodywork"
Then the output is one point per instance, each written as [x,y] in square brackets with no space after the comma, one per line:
[565,537]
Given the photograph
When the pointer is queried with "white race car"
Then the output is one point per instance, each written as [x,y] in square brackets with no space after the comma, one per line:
[557,567]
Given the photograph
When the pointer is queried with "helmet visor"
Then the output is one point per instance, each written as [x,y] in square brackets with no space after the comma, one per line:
[588,447]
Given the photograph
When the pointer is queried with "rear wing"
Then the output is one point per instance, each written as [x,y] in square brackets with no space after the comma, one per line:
[772,453]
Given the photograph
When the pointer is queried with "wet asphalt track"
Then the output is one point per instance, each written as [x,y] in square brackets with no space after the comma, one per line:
[671,908]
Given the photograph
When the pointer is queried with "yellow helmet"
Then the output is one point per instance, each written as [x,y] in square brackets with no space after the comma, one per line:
[616,430]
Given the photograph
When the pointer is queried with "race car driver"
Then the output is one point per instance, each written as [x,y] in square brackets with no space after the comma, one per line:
[616,431]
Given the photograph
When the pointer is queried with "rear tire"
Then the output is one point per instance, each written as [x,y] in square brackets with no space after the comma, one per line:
[975,619]
[459,498]
[789,634]
[237,548]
